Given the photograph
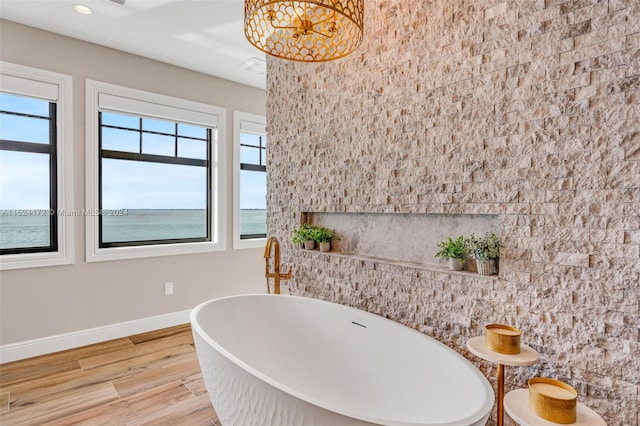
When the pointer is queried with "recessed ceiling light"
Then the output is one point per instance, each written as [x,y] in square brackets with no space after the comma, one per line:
[82,8]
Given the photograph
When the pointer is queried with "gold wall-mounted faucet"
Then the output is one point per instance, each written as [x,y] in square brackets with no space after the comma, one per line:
[276,275]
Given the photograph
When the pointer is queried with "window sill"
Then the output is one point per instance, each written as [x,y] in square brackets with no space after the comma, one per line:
[239,244]
[137,252]
[34,260]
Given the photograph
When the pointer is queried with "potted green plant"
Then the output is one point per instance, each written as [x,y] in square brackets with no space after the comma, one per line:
[485,250]
[324,236]
[455,250]
[304,236]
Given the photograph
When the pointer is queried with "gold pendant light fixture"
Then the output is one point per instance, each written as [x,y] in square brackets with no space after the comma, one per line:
[307,31]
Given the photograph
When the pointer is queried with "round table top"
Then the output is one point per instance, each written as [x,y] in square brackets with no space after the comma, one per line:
[516,405]
[527,355]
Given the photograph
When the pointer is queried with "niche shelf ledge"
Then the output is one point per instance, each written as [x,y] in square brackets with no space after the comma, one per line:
[403,263]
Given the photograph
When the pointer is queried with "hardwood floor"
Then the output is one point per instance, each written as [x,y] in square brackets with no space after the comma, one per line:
[147,379]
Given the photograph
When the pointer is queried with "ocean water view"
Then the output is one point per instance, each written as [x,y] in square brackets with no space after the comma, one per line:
[161,224]
[24,228]
[30,228]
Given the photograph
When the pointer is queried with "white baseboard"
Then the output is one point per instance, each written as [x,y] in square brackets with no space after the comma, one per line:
[75,339]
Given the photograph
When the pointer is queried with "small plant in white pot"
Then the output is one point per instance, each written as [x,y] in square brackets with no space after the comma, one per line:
[323,237]
[455,250]
[304,236]
[485,251]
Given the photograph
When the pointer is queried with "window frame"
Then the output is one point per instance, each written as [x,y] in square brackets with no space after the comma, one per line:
[51,150]
[55,88]
[156,159]
[118,99]
[243,121]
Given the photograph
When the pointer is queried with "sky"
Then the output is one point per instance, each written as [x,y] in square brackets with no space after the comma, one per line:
[24,177]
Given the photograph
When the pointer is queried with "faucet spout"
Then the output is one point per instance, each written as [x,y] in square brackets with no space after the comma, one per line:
[276,274]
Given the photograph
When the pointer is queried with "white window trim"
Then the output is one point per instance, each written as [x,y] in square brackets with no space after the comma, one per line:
[183,108]
[255,123]
[22,80]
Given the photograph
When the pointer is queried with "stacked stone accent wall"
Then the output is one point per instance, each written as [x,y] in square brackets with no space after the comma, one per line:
[525,109]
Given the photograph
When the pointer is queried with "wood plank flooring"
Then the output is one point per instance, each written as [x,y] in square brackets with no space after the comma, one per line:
[147,379]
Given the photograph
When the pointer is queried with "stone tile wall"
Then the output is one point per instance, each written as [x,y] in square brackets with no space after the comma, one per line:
[525,109]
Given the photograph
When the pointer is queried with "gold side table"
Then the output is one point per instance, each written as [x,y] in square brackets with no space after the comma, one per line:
[516,404]
[526,357]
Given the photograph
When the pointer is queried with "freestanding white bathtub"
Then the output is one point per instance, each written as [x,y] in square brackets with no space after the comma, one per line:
[286,360]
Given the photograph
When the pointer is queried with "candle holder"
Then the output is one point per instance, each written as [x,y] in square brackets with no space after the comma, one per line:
[553,400]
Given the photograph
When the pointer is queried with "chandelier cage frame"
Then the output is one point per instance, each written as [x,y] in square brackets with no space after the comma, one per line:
[305,31]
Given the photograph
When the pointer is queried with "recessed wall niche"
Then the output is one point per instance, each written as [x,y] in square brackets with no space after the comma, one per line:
[405,237]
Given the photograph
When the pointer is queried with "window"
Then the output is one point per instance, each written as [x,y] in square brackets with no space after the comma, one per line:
[35,164]
[27,142]
[154,173]
[165,195]
[250,183]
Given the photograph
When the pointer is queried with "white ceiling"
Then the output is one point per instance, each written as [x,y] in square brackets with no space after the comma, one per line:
[201,35]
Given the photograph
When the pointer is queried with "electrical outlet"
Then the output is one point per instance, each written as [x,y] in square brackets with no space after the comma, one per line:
[168,289]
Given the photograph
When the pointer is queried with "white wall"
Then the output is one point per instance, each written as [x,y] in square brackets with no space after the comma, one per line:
[41,302]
